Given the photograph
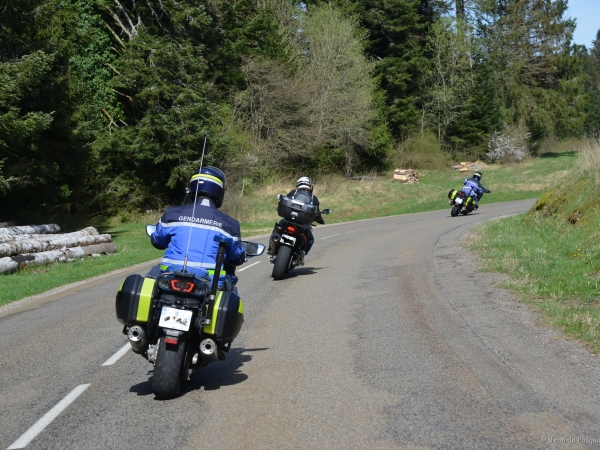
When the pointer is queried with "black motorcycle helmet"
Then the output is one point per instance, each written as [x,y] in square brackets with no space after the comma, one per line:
[477,175]
[210,182]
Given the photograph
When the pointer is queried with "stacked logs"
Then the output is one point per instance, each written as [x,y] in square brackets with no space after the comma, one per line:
[409,176]
[43,244]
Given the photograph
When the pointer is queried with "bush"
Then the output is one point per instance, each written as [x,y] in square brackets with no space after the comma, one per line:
[509,145]
[421,153]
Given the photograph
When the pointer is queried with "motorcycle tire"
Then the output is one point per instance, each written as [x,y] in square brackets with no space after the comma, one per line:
[455,211]
[167,370]
[282,262]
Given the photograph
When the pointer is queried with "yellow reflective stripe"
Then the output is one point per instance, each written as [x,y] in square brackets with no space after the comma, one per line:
[163,267]
[241,308]
[209,177]
[143,310]
[210,328]
[211,272]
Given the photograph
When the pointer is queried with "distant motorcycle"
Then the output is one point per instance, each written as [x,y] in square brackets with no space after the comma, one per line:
[290,234]
[180,322]
[462,201]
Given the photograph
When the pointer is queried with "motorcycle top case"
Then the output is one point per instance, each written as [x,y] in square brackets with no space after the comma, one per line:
[227,316]
[134,300]
[296,211]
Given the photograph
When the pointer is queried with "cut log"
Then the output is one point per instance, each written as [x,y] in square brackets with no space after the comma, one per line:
[409,176]
[7,224]
[99,248]
[32,229]
[57,242]
[7,265]
[89,231]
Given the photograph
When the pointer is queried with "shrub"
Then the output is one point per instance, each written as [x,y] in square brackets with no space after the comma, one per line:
[508,145]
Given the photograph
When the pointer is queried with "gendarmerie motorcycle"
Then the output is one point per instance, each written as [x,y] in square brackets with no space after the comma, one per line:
[180,322]
[290,234]
[462,201]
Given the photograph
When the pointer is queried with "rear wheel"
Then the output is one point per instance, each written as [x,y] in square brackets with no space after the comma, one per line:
[455,211]
[168,369]
[282,262]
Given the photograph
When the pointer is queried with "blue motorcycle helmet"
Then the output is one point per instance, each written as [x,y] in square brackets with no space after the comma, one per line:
[210,182]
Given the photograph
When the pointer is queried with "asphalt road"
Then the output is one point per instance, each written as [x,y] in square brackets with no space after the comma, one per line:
[387,338]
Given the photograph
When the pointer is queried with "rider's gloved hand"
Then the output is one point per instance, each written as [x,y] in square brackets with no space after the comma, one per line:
[322,222]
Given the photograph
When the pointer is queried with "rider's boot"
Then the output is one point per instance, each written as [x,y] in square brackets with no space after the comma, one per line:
[300,258]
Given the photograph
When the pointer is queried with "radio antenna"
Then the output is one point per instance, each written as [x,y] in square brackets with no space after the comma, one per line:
[194,208]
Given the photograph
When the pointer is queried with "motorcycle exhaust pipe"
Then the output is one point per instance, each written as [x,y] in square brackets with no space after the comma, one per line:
[137,339]
[208,350]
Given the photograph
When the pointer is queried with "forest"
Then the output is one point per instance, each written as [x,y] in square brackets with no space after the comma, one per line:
[105,105]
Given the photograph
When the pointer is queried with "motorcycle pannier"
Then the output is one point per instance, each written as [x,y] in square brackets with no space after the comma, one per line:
[452,194]
[227,317]
[296,211]
[134,300]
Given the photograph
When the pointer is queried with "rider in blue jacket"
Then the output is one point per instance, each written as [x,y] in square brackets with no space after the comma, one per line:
[190,229]
[474,188]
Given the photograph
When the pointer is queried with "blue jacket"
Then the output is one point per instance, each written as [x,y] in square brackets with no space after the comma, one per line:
[173,231]
[474,188]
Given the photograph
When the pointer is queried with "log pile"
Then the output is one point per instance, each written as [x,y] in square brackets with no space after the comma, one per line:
[468,167]
[44,244]
[409,176]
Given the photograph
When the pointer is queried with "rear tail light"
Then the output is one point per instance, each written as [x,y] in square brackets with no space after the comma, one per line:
[171,340]
[291,229]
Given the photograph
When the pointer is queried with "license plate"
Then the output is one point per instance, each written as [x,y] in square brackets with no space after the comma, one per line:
[176,319]
[459,200]
[288,239]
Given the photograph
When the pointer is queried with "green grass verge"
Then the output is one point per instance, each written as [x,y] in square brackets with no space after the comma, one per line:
[256,210]
[552,256]
[133,248]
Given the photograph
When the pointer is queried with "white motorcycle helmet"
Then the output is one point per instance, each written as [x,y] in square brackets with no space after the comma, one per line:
[304,183]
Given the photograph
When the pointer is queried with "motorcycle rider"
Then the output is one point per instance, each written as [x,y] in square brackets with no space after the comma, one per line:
[474,183]
[304,193]
[190,229]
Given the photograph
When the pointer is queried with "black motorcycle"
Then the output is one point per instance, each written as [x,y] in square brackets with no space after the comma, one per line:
[461,202]
[180,322]
[290,234]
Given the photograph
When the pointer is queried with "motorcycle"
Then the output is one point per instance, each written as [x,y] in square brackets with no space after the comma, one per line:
[462,201]
[290,234]
[180,322]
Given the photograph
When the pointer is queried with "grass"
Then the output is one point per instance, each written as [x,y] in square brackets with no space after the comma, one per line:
[368,198]
[552,253]
[256,210]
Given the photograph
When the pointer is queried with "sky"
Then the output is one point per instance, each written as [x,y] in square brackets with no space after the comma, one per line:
[587,14]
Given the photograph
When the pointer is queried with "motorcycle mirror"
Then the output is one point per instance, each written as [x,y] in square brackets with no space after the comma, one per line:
[278,196]
[150,229]
[326,211]
[253,248]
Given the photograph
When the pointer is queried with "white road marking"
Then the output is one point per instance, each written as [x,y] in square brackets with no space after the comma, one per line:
[333,235]
[114,358]
[39,426]
[247,267]
[354,231]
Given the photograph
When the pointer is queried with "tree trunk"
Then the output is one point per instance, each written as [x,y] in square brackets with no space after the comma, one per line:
[35,246]
[32,229]
[89,231]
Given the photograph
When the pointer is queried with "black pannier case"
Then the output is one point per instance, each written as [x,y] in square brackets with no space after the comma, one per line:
[296,211]
[228,316]
[134,300]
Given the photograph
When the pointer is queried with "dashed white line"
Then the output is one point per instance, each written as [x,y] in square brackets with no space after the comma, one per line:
[39,426]
[114,358]
[354,231]
[247,267]
[327,237]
